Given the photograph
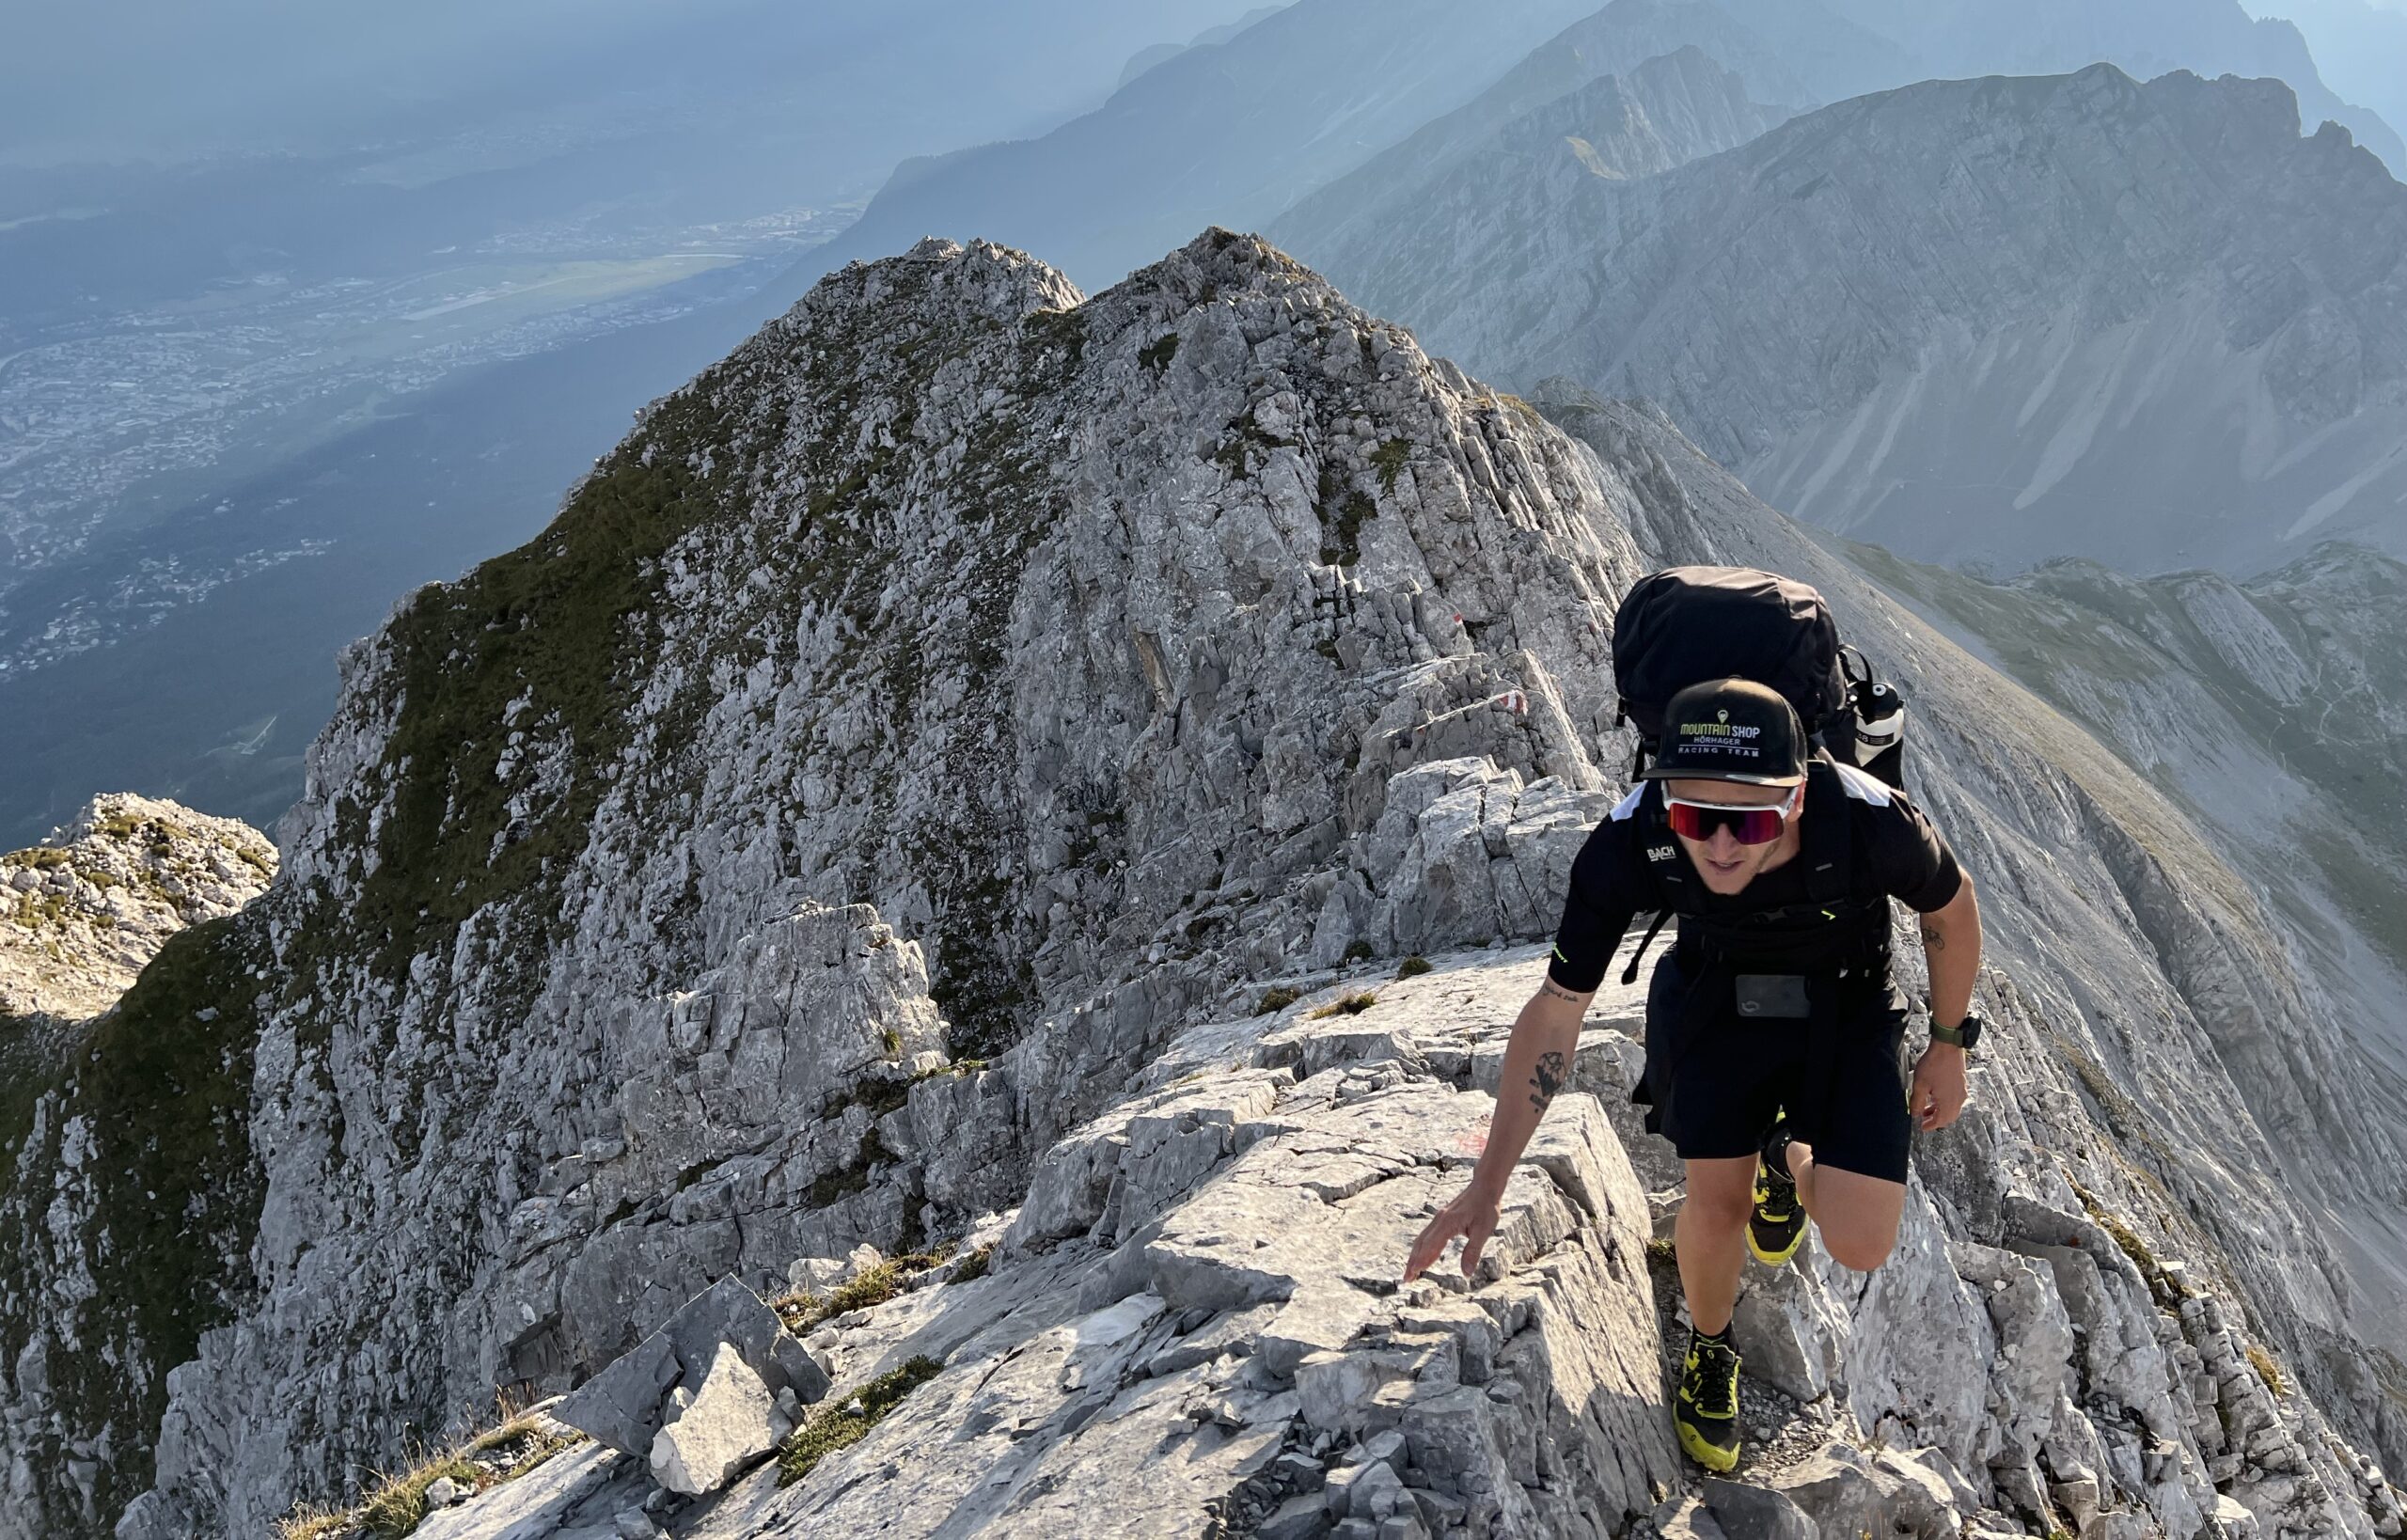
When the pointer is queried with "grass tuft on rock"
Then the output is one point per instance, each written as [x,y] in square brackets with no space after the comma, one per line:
[396,1505]
[2267,1370]
[802,1311]
[1157,357]
[1412,967]
[313,1523]
[1349,1005]
[836,1426]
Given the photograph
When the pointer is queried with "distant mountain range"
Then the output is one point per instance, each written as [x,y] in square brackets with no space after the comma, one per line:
[2146,38]
[2360,49]
[1667,111]
[1231,132]
[2000,320]
[2274,707]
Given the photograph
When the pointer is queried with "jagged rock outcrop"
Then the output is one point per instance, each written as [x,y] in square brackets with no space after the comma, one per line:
[881,801]
[82,911]
[2189,316]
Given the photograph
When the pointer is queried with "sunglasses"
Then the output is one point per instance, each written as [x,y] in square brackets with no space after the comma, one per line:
[1748,825]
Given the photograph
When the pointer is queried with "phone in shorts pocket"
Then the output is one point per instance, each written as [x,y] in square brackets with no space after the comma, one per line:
[1778,995]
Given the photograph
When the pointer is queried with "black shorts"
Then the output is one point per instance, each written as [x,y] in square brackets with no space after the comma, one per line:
[1716,1093]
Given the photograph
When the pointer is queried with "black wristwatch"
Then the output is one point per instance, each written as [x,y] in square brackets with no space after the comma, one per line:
[1965,1034]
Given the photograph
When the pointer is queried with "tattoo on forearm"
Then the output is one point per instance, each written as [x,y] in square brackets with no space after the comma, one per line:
[1546,1079]
[1547,986]
[1932,940]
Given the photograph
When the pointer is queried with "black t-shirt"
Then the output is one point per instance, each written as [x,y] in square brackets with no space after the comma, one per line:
[1896,852]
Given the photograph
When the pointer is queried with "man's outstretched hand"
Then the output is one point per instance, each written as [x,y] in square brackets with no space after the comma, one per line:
[1936,1094]
[1472,1216]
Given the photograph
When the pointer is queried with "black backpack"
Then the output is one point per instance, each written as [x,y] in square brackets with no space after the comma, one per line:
[1683,626]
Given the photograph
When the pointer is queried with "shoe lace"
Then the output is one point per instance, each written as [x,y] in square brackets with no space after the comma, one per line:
[1713,1366]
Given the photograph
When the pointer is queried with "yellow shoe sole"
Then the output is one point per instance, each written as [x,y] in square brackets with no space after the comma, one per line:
[1774,1259]
[1712,1458]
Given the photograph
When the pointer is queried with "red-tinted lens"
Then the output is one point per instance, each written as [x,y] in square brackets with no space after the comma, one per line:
[1748,825]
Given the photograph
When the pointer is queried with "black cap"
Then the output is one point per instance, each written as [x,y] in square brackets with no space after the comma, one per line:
[1730,729]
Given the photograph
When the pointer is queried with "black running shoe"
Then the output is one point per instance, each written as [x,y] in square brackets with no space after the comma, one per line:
[1707,1410]
[1778,1223]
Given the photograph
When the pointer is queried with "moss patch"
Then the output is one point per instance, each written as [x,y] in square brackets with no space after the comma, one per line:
[839,1425]
[564,623]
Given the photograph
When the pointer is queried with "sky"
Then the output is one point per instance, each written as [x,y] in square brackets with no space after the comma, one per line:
[106,79]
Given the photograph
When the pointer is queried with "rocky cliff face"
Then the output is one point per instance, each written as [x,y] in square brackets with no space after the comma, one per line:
[94,902]
[875,811]
[2186,314]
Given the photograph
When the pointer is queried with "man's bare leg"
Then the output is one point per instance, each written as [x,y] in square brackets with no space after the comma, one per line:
[1711,1237]
[1856,1214]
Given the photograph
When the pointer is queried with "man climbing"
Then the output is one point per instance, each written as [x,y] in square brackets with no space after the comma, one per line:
[1772,1026]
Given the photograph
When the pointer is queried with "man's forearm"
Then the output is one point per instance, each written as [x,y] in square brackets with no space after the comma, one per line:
[1537,1064]
[1951,939]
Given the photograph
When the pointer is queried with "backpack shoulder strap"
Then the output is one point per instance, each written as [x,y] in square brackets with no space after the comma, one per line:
[1673,893]
[1828,846]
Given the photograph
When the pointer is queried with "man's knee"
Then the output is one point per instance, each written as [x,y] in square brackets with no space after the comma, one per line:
[1862,1248]
[1720,1210]
[1720,1193]
[1857,1217]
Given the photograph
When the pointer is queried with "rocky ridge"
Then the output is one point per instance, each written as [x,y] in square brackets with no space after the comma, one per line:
[2188,312]
[1196,1307]
[88,907]
[880,803]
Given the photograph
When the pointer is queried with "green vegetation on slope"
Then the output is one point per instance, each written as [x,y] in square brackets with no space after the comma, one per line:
[157,1094]
[562,623]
